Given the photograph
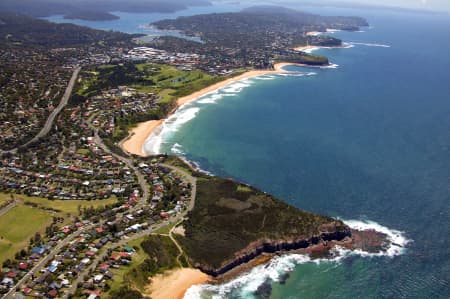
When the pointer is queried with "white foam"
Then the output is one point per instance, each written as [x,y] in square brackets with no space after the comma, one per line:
[330,66]
[371,45]
[236,87]
[344,46]
[210,99]
[297,74]
[347,46]
[187,112]
[310,50]
[177,149]
[265,78]
[248,283]
[169,126]
[397,240]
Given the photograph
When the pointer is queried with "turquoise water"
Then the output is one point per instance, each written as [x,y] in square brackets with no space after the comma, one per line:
[368,140]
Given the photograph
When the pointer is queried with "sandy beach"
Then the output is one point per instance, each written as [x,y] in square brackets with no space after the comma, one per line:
[246,75]
[174,284]
[305,48]
[134,143]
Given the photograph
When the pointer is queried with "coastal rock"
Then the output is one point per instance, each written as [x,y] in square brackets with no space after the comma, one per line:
[334,231]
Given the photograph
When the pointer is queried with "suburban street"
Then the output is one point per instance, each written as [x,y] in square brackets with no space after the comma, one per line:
[141,179]
[177,218]
[51,118]
[143,200]
[45,260]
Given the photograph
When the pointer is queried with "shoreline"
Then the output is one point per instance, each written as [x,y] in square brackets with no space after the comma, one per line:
[306,48]
[135,141]
[173,284]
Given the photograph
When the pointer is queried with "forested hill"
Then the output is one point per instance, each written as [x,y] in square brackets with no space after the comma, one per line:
[20,30]
[44,8]
[261,19]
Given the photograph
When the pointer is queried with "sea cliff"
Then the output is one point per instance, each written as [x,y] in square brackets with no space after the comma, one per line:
[335,231]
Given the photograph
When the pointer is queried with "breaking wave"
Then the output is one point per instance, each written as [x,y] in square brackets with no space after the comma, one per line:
[331,66]
[177,149]
[370,45]
[190,110]
[172,124]
[397,240]
[247,284]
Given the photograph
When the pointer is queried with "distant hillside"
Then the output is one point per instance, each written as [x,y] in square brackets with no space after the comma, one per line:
[260,19]
[19,30]
[91,16]
[44,8]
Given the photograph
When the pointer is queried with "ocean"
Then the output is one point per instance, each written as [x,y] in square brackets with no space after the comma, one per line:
[367,140]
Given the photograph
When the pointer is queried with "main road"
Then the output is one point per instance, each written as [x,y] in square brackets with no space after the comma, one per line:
[64,100]
[51,118]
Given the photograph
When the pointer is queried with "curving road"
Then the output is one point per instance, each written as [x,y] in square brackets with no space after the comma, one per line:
[141,178]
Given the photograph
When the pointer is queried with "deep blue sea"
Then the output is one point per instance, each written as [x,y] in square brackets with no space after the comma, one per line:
[367,141]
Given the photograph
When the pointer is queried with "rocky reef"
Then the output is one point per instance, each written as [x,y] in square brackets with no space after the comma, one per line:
[334,231]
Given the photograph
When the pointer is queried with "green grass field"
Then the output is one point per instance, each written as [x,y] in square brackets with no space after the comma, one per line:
[17,226]
[65,206]
[20,223]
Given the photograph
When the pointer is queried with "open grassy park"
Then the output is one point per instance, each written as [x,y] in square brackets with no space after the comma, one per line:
[18,225]
[21,222]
